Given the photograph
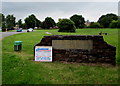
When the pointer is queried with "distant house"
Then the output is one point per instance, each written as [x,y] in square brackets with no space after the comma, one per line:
[87,23]
[16,27]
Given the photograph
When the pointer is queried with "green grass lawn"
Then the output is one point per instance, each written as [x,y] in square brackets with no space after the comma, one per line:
[19,67]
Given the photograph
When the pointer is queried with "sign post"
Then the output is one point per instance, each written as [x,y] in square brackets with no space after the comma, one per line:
[43,53]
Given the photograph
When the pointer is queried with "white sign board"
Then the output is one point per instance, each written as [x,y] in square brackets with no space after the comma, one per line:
[43,53]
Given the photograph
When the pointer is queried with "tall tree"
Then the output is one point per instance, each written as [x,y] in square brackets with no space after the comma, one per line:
[2,22]
[2,18]
[48,23]
[66,25]
[20,23]
[10,21]
[105,20]
[31,21]
[78,20]
[43,24]
[38,23]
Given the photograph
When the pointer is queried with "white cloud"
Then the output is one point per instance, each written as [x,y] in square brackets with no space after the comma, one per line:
[90,10]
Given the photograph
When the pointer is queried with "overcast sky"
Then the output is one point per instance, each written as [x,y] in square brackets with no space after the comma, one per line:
[89,10]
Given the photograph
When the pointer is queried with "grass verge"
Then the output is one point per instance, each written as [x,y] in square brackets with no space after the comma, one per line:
[18,67]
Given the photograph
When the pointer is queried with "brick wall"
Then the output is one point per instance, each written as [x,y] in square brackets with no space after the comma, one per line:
[101,51]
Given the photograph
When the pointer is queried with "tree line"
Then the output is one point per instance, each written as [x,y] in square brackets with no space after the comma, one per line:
[76,21]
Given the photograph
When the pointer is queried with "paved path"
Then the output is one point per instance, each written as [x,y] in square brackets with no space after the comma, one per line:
[5,34]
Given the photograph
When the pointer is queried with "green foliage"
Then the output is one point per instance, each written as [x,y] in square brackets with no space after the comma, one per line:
[3,26]
[24,25]
[31,21]
[1,19]
[48,23]
[105,20]
[10,21]
[95,25]
[118,24]
[66,25]
[2,22]
[20,23]
[78,20]
[115,24]
[19,67]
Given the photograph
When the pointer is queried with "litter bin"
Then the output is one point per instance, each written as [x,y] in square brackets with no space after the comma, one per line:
[17,45]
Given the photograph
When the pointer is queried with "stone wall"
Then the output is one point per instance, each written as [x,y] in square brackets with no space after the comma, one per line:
[100,52]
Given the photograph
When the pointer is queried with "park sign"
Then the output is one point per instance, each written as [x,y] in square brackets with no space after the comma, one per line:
[43,53]
[77,48]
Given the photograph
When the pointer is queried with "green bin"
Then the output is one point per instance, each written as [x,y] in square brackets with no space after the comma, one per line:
[17,45]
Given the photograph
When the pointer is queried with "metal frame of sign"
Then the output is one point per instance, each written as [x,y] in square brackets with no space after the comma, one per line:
[43,53]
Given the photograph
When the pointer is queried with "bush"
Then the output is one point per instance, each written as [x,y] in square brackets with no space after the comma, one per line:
[66,25]
[115,24]
[118,24]
[95,25]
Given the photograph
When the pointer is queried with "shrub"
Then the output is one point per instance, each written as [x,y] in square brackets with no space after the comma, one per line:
[118,24]
[66,25]
[95,25]
[113,24]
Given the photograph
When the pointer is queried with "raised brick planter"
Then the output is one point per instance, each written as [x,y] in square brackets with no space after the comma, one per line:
[101,51]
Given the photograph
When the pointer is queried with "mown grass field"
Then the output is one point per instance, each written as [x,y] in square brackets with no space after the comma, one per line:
[19,67]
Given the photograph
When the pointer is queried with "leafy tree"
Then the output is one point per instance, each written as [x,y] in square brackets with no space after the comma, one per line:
[10,21]
[113,24]
[2,22]
[24,26]
[66,25]
[38,23]
[3,26]
[20,23]
[31,21]
[105,20]
[43,24]
[118,24]
[78,20]
[95,25]
[59,19]
[2,19]
[48,23]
